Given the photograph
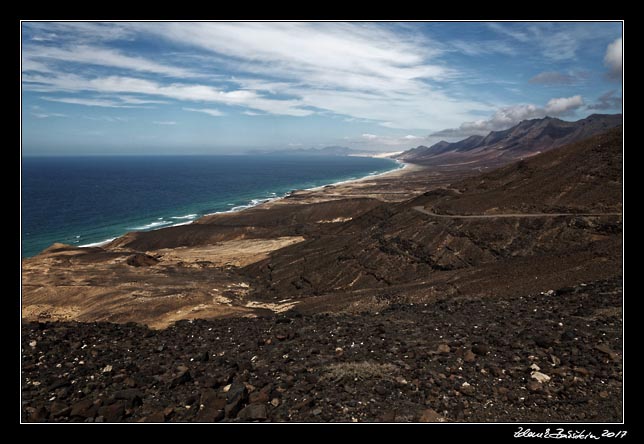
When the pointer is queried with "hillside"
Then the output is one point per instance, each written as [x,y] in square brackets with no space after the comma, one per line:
[399,253]
[585,176]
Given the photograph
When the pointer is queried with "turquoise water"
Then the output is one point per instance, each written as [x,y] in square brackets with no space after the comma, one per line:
[88,200]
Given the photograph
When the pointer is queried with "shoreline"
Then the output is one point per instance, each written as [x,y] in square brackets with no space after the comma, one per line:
[401,167]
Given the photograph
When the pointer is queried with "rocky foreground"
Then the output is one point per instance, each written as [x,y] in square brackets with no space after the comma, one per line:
[545,357]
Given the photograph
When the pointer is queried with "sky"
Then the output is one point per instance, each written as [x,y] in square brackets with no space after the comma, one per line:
[141,88]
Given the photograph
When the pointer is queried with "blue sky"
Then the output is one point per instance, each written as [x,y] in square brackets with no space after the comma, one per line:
[230,87]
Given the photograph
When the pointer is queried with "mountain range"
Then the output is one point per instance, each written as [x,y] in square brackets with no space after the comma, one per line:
[523,140]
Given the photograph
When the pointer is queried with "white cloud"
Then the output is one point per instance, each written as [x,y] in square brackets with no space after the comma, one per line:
[375,72]
[613,58]
[509,116]
[369,136]
[48,37]
[164,122]
[365,71]
[389,74]
[209,111]
[328,51]
[563,105]
[412,137]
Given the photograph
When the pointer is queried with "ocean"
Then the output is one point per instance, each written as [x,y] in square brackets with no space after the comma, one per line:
[86,201]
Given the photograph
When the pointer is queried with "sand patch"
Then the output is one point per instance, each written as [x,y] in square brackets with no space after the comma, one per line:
[335,220]
[279,307]
[234,253]
[48,312]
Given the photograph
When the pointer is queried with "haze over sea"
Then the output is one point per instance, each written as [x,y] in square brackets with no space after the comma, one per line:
[87,200]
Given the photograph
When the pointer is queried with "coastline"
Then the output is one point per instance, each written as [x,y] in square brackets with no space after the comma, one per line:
[399,171]
[401,166]
[174,258]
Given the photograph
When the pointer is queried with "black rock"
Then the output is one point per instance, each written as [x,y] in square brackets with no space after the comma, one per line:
[85,408]
[202,357]
[132,396]
[237,390]
[58,384]
[141,260]
[236,397]
[59,409]
[157,416]
[113,412]
[381,390]
[253,412]
[213,408]
[544,341]
[232,408]
[181,379]
[481,349]
[39,415]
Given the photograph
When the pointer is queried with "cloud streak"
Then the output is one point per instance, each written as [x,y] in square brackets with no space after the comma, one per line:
[210,111]
[363,71]
[348,69]
[555,41]
[88,102]
[177,91]
[95,55]
[44,115]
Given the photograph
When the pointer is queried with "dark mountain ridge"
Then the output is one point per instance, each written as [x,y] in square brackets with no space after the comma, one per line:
[525,139]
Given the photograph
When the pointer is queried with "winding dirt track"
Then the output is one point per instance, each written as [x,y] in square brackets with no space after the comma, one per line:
[421,209]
